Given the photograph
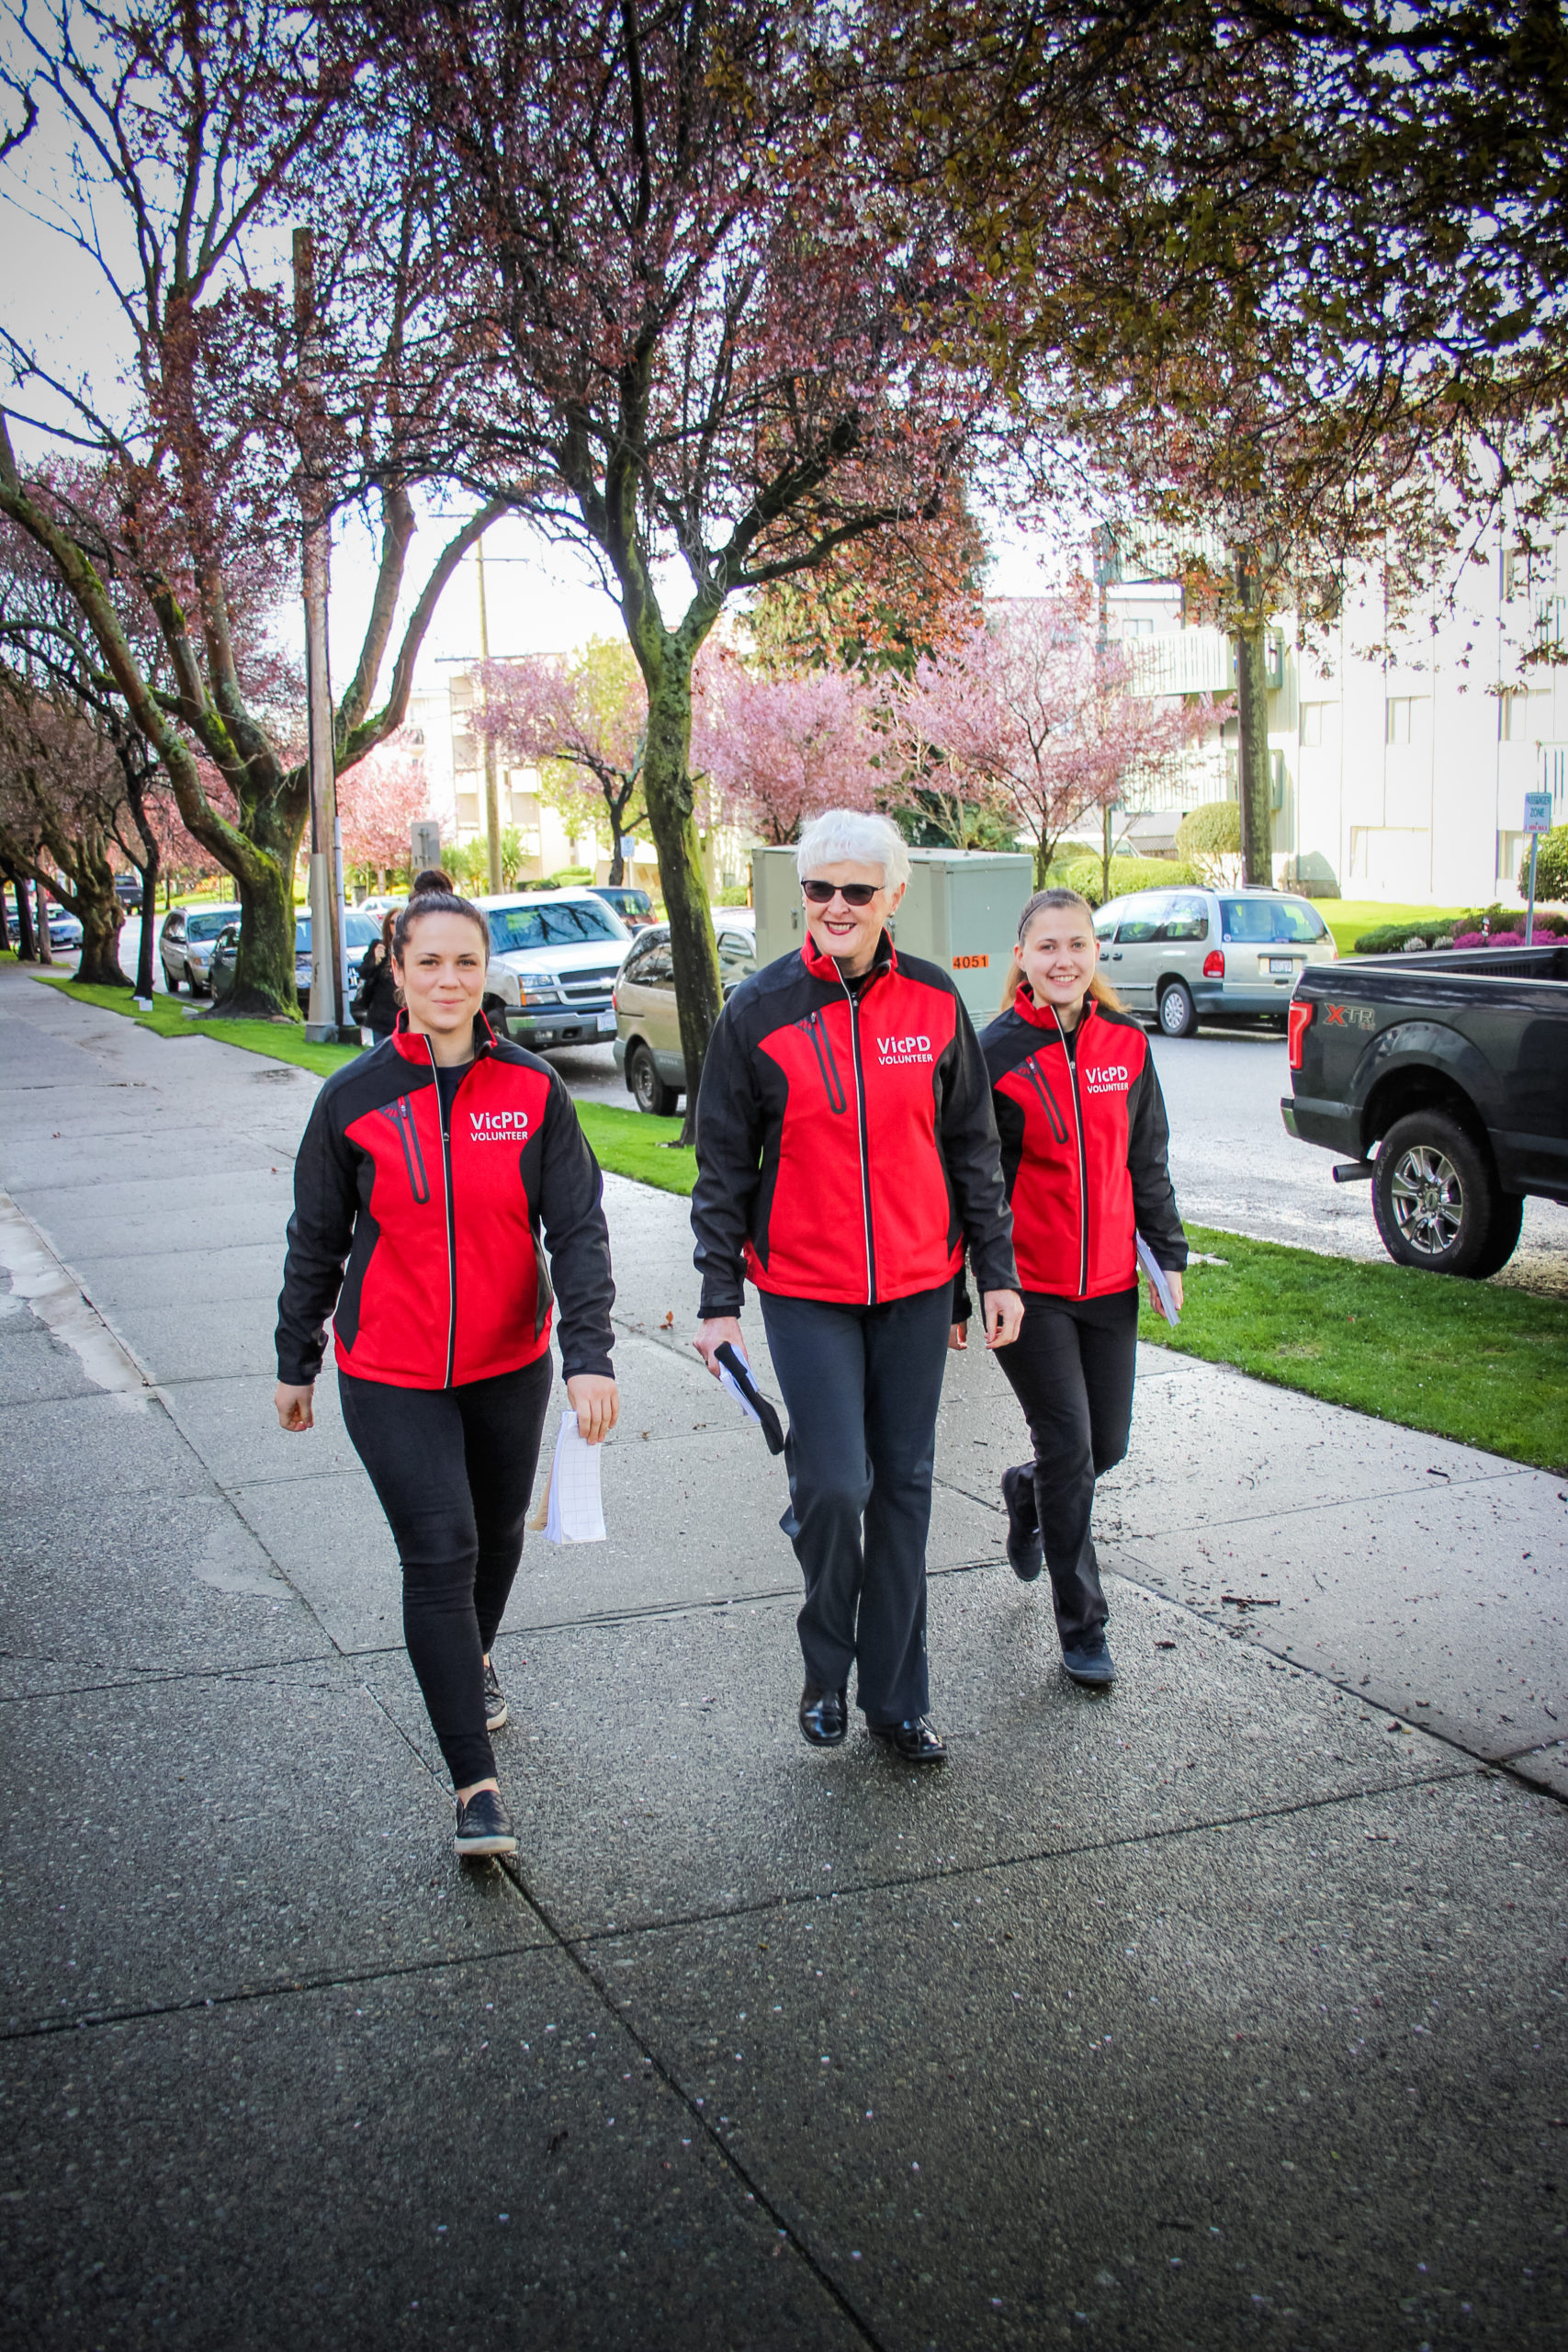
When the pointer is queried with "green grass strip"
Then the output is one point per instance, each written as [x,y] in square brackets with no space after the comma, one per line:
[1484,1365]
[630,1142]
[283,1040]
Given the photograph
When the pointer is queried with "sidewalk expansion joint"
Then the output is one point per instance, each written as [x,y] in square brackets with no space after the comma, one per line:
[152,1677]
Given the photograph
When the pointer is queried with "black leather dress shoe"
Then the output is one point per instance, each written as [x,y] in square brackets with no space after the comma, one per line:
[914,1741]
[824,1717]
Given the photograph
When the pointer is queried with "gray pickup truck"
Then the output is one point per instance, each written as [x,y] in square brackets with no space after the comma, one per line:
[1443,1078]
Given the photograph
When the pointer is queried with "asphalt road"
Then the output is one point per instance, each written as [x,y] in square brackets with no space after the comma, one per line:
[1233,1164]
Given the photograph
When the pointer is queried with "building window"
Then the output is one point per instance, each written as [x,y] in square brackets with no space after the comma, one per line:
[1404,718]
[1523,718]
[1317,722]
[1511,848]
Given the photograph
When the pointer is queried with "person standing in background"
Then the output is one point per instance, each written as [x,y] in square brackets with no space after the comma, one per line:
[1084,1141]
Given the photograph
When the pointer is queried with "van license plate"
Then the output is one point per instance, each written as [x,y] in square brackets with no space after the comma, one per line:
[1281,966]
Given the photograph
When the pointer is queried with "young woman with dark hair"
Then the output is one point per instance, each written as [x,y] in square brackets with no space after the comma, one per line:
[1084,1141]
[436,1173]
[375,1006]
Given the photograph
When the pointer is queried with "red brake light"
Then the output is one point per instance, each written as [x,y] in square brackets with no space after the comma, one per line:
[1214,963]
[1301,1022]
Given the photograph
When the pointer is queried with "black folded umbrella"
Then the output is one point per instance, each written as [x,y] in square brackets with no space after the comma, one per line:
[736,1367]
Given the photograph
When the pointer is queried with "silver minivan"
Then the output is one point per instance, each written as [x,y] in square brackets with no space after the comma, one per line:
[1190,954]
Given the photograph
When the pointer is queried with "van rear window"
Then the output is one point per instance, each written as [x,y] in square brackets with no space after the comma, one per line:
[1265,920]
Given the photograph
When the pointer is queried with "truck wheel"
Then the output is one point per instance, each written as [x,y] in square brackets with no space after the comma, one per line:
[649,1090]
[1178,1013]
[1438,1201]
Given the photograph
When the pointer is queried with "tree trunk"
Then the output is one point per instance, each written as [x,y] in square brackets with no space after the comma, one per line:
[618,861]
[1254,782]
[667,788]
[40,910]
[27,943]
[100,914]
[267,942]
[145,948]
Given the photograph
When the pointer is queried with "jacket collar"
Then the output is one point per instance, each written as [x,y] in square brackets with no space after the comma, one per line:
[824,967]
[413,1047]
[1043,1016]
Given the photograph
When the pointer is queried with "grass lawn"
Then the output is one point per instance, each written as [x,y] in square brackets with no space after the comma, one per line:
[1470,1361]
[1349,918]
[284,1041]
[630,1142]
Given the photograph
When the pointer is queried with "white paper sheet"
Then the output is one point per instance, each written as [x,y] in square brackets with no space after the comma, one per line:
[732,1387]
[1156,1275]
[576,1514]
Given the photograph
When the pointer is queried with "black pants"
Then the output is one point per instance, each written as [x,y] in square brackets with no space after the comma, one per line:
[453,1469]
[1072,1368]
[862,1384]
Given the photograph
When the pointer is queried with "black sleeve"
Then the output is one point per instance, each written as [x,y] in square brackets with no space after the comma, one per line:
[326,1201]
[571,1212]
[1153,1200]
[973,1154]
[730,1166]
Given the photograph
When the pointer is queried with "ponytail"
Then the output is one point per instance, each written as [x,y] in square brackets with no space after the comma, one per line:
[1042,902]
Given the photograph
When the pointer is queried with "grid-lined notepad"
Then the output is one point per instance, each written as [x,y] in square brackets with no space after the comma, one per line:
[576,1514]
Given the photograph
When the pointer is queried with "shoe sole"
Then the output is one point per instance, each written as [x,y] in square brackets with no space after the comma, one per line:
[498,1723]
[815,1740]
[1090,1681]
[484,1845]
[899,1757]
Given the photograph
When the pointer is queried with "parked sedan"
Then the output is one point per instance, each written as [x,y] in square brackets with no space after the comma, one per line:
[185,944]
[1191,955]
[648,1029]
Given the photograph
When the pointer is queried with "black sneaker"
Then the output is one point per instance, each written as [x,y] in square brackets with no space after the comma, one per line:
[484,1826]
[496,1713]
[1026,1550]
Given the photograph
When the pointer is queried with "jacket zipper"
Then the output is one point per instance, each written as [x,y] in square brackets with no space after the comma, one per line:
[400,1118]
[1047,1101]
[816,1029]
[1083,1168]
[451,1224]
[865,1147]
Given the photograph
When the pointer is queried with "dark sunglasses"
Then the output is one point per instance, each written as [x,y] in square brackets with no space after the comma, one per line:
[853,894]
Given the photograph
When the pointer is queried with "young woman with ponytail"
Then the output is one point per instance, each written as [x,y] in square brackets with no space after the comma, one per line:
[1084,1142]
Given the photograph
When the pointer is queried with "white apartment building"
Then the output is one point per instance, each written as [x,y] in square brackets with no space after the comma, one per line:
[1397,775]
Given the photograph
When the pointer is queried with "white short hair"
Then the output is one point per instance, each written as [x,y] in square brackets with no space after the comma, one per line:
[852,837]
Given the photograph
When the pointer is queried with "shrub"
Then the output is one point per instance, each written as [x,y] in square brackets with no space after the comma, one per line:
[1084,875]
[1208,840]
[1550,865]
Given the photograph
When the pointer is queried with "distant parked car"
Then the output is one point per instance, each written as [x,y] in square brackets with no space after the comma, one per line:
[64,931]
[648,1029]
[128,891]
[554,958]
[634,907]
[1191,955]
[185,944]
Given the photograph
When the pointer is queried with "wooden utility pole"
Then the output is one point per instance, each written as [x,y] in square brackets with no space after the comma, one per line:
[492,793]
[325,1016]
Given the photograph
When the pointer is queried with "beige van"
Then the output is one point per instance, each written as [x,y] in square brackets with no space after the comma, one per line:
[1187,955]
[647,1030]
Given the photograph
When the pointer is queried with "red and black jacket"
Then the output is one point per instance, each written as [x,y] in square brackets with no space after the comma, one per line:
[441,1231]
[846,1148]
[1084,1140]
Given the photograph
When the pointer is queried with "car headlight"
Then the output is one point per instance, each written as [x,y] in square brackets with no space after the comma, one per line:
[539,988]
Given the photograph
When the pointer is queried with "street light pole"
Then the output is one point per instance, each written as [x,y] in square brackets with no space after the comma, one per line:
[324,1019]
[493,794]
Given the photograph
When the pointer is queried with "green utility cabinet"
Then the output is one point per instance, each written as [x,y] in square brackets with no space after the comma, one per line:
[960,912]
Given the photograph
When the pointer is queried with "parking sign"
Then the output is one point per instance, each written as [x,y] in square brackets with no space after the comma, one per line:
[1538,812]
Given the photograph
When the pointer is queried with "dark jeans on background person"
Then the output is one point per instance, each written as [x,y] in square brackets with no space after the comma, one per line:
[862,1384]
[453,1469]
[1072,1368]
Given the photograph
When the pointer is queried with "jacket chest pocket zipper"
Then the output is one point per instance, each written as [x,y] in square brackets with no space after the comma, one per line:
[401,1117]
[1038,1080]
[816,1029]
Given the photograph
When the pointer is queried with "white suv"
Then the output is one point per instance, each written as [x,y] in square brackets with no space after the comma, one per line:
[555,957]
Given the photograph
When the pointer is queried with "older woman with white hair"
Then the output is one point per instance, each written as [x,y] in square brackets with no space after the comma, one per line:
[847,1157]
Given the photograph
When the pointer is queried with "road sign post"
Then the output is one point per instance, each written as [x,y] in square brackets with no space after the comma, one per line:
[1538,820]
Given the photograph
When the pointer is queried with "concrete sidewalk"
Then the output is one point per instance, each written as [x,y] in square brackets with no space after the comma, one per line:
[1228,2010]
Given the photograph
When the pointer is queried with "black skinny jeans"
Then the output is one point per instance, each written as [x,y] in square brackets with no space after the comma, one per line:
[453,1469]
[1072,1368]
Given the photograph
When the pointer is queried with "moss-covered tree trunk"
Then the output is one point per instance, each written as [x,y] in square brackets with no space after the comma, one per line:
[667,794]
[98,911]
[264,880]
[1252,780]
